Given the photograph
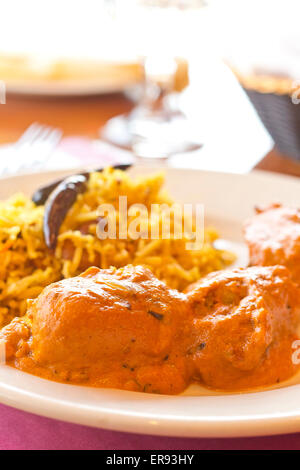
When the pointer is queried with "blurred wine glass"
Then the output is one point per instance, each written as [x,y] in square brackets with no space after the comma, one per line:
[156,128]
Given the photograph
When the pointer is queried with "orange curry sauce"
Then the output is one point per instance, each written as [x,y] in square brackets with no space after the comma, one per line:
[125,329]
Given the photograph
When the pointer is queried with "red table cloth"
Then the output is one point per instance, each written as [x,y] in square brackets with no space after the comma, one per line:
[24,431]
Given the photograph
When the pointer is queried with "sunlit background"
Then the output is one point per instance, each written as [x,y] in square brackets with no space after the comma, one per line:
[195,76]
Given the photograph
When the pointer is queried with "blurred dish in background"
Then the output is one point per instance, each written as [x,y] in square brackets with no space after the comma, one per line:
[27,74]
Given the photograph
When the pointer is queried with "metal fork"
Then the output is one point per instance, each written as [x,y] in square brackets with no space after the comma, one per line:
[33,149]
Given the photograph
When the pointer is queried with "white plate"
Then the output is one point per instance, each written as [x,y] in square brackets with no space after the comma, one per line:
[228,200]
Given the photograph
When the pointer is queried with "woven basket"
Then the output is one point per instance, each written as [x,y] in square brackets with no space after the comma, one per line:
[272,98]
[281,118]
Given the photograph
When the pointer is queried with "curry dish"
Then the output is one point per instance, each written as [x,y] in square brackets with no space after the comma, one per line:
[126,329]
[273,237]
[232,330]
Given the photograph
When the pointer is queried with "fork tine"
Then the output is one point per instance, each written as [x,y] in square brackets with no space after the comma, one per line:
[45,132]
[39,141]
[43,135]
[30,134]
[55,136]
[50,135]
[44,145]
[39,133]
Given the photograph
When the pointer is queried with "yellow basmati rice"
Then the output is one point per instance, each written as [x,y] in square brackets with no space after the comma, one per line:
[27,266]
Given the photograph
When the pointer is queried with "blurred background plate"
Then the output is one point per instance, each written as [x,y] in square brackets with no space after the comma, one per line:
[25,75]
